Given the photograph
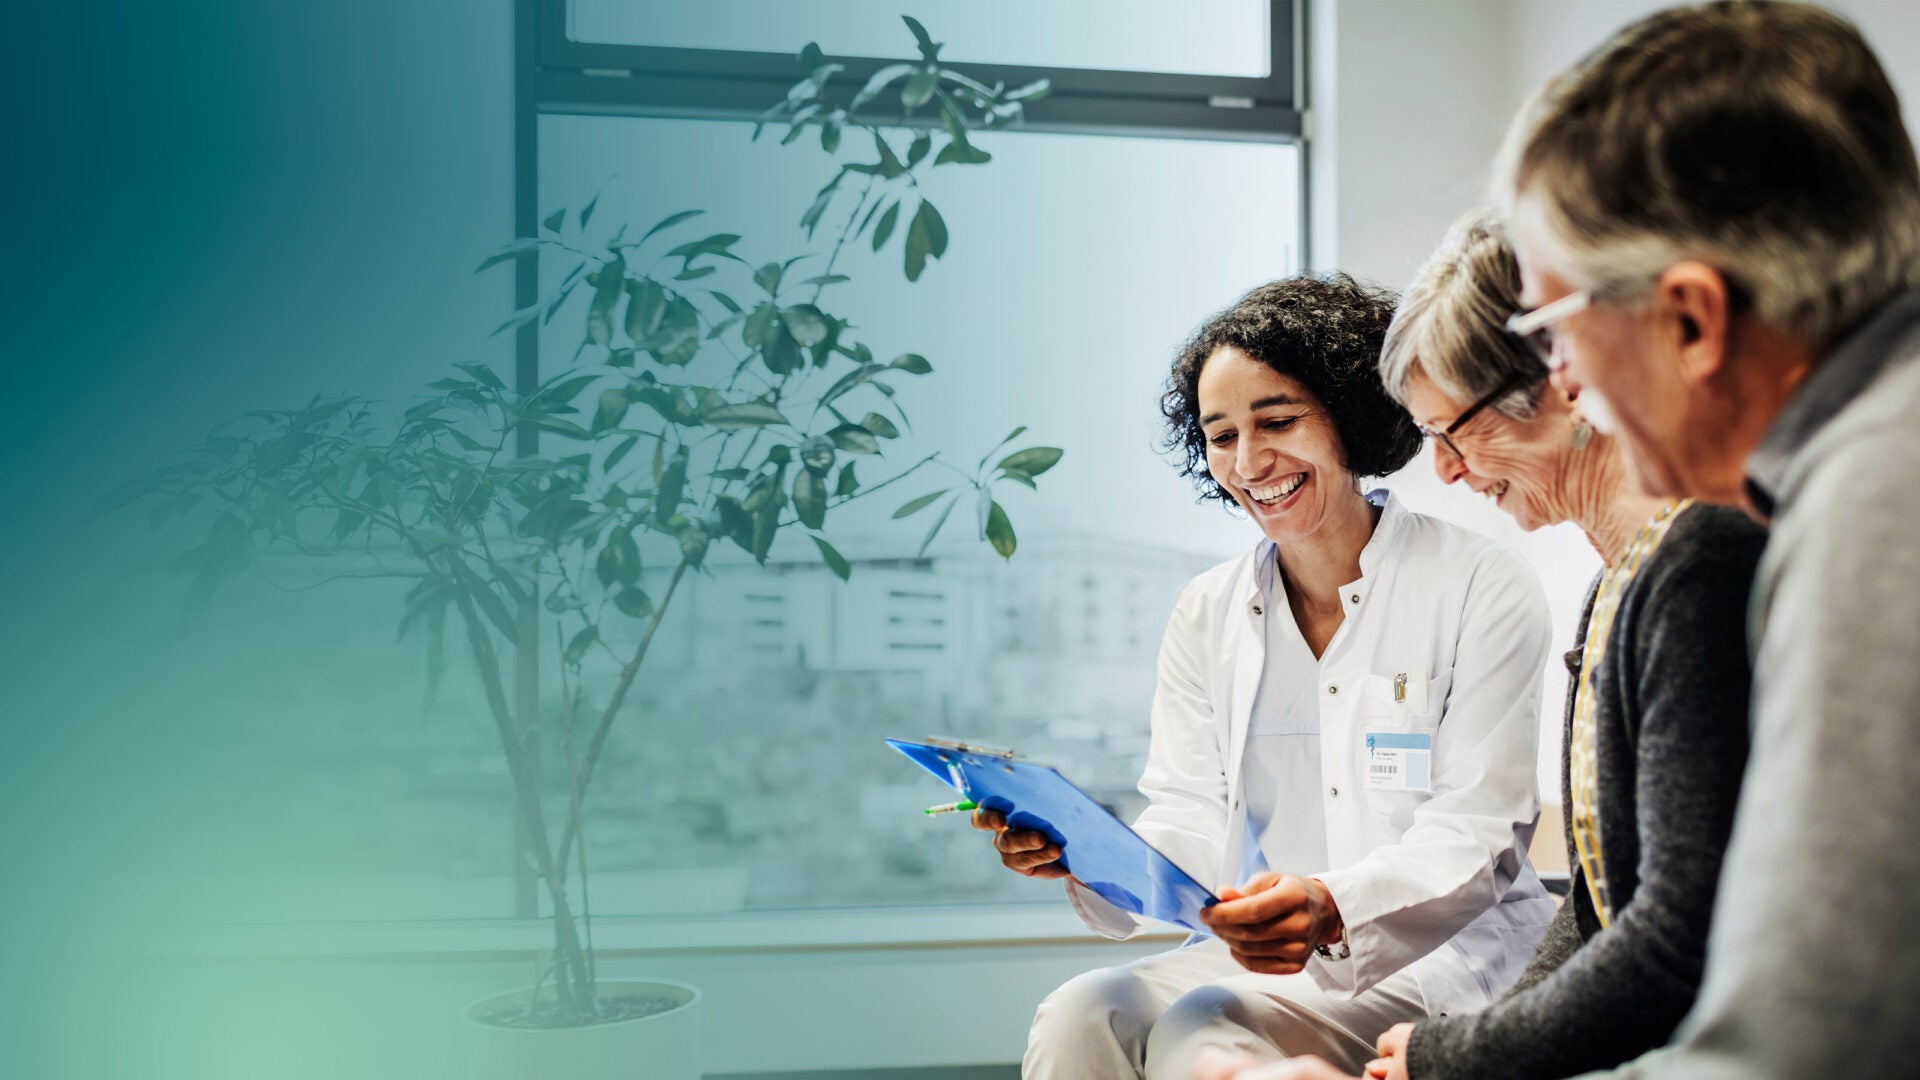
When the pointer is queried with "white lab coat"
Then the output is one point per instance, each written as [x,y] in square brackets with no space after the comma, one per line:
[1436,882]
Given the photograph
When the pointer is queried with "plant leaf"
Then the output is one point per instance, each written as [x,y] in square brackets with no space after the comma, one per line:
[854,439]
[782,353]
[960,151]
[558,393]
[817,453]
[835,561]
[807,324]
[766,514]
[1032,461]
[517,320]
[1011,435]
[1033,91]
[673,484]
[937,523]
[919,89]
[582,641]
[926,239]
[889,165]
[626,447]
[491,605]
[744,415]
[482,374]
[928,49]
[606,293]
[914,506]
[633,602]
[884,231]
[912,364]
[514,250]
[613,407]
[619,560]
[880,81]
[810,498]
[677,341]
[668,222]
[768,277]
[1000,532]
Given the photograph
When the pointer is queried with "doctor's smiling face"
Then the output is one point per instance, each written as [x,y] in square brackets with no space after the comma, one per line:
[1275,404]
[1272,446]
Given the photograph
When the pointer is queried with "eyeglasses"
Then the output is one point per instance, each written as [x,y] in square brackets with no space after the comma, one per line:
[1535,326]
[1508,385]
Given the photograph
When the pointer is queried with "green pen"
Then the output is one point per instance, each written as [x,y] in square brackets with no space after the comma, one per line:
[954,807]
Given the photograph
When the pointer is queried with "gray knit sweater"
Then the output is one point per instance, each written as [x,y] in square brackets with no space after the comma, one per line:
[1671,694]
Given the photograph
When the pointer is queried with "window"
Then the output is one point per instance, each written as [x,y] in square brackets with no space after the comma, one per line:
[1076,266]
[1219,38]
[1159,182]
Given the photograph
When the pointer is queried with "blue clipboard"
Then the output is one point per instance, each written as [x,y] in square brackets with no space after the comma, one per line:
[1099,849]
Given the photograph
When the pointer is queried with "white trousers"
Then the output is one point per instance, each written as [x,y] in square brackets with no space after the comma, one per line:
[1151,1018]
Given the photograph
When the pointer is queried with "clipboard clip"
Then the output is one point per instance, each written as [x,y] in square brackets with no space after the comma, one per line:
[970,748]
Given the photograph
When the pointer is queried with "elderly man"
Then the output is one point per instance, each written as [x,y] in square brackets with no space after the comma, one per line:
[1717,218]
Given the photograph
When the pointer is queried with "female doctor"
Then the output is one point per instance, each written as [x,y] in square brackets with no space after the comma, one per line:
[1343,730]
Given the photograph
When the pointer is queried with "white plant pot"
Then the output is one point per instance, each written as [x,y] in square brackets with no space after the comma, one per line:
[664,1046]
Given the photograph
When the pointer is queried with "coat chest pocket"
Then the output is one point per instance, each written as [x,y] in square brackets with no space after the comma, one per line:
[1405,697]
[1399,726]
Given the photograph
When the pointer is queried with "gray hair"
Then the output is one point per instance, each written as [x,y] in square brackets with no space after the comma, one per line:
[1760,138]
[1452,322]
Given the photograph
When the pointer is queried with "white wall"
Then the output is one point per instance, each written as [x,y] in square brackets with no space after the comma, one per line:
[1410,99]
[1550,34]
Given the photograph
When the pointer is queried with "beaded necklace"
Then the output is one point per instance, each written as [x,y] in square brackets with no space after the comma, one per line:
[1583,759]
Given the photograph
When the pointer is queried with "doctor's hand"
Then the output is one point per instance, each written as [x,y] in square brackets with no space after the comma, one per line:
[1022,851]
[1273,923]
[1392,1048]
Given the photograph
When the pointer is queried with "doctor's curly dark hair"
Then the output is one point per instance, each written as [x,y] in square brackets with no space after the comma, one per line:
[1324,332]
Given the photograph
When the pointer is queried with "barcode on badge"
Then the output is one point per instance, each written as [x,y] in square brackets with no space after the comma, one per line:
[1383,769]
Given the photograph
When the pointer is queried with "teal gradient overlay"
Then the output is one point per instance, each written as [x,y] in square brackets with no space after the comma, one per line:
[268,839]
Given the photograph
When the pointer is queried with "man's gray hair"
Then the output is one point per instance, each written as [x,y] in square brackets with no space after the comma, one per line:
[1451,326]
[1760,138]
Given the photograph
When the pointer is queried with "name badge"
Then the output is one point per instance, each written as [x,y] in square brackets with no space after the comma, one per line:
[1399,761]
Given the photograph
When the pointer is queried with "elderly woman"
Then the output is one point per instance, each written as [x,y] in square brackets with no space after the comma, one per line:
[1343,731]
[1656,727]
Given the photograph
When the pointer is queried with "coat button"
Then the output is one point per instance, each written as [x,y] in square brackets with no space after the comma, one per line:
[1333,689]
[1333,792]
[1257,611]
[1355,598]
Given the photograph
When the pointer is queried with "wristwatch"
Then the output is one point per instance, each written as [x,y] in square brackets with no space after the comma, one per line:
[1337,949]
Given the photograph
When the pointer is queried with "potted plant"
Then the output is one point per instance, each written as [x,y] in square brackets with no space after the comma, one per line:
[712,401]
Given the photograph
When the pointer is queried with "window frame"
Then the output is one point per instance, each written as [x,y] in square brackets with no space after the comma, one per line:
[597,78]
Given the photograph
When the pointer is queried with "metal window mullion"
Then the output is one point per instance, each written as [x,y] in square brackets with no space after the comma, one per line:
[576,93]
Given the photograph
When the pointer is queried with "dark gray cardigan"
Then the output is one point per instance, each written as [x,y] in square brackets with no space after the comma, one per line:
[1671,694]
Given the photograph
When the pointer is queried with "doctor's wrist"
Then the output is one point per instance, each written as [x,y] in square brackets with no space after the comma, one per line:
[1331,940]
